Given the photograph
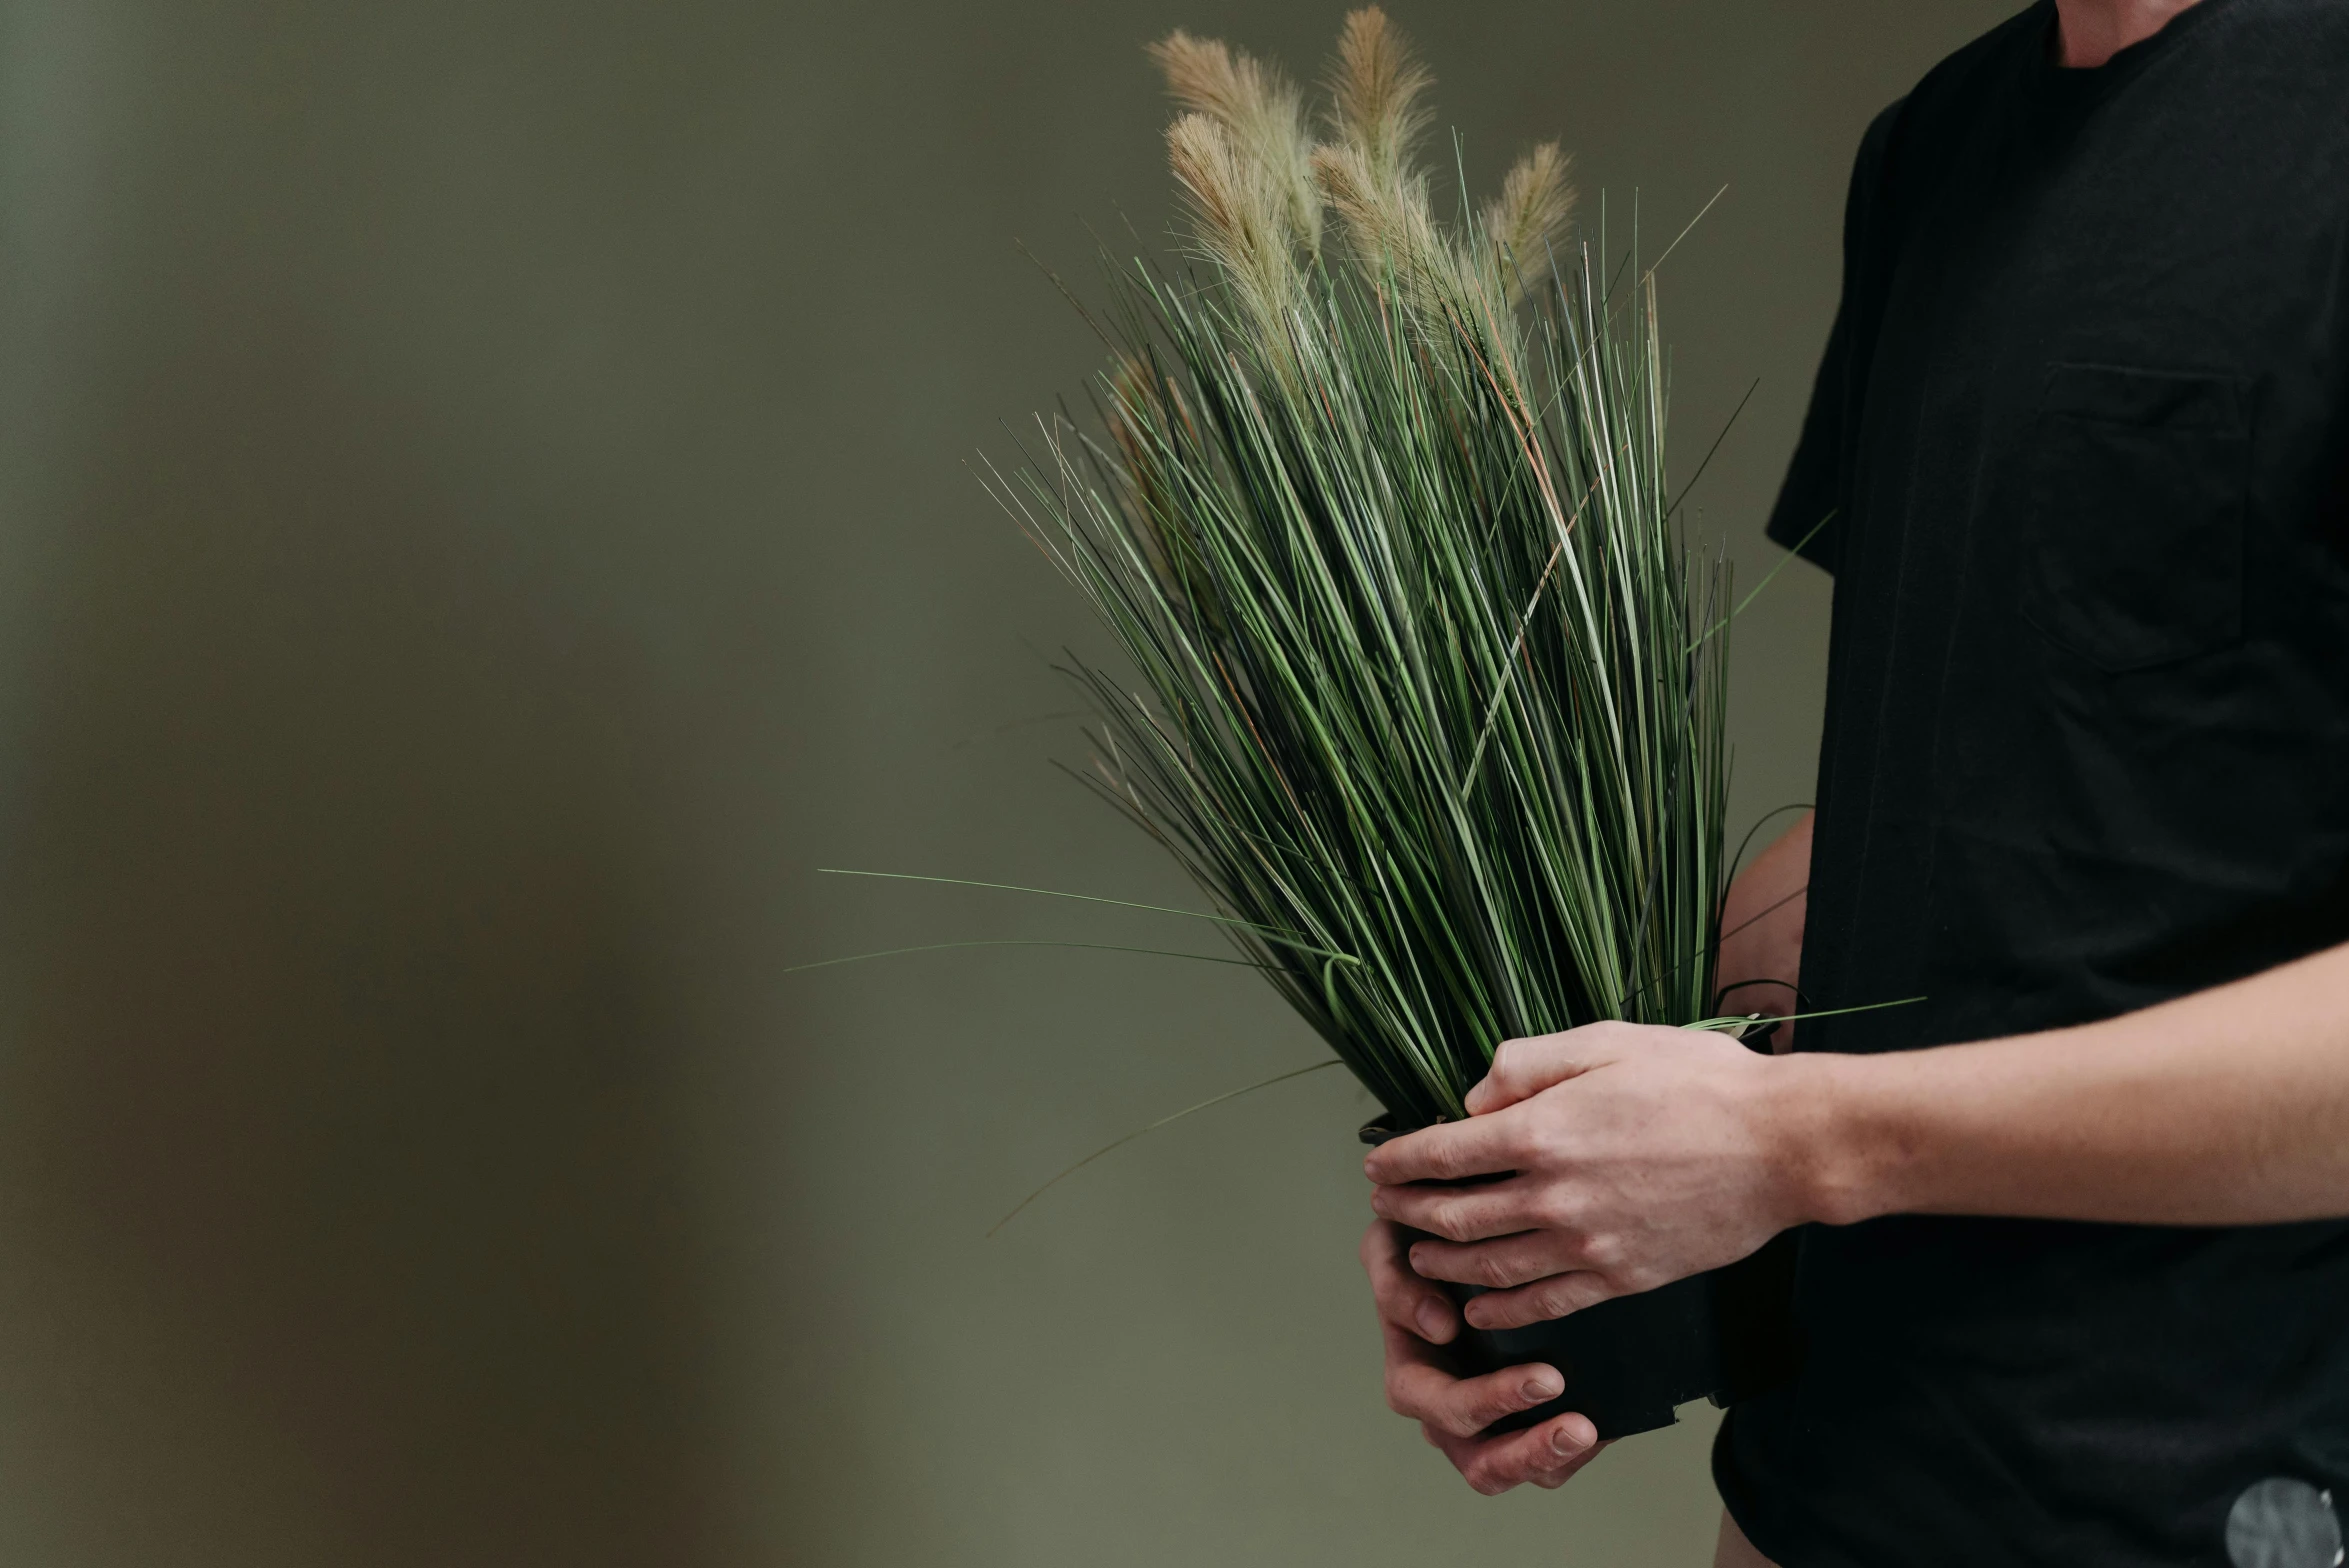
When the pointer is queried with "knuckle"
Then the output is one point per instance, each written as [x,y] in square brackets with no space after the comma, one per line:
[1462,1422]
[1616,1035]
[1560,1210]
[1493,1272]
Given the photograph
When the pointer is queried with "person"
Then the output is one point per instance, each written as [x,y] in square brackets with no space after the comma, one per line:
[2074,1271]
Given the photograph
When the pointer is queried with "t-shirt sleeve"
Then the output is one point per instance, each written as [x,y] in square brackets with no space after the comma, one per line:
[1809,515]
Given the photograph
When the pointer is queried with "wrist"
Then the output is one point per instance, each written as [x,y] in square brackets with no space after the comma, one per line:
[1827,1144]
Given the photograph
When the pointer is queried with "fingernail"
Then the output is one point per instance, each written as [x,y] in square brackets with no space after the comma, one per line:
[1432,1322]
[1538,1389]
[1563,1441]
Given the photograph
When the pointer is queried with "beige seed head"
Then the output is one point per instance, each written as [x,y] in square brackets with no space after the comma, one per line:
[1201,75]
[1535,202]
[1238,216]
[1391,228]
[1261,111]
[1378,84]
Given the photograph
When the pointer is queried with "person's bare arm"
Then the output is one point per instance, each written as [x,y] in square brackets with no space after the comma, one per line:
[1647,1154]
[2228,1107]
[1762,931]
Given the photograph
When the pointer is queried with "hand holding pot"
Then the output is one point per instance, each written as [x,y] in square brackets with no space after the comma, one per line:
[1640,1155]
[1452,1411]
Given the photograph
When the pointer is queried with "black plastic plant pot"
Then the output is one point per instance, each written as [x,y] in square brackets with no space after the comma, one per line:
[1724,1336]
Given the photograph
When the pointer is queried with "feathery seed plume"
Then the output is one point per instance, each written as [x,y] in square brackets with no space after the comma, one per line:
[1389,220]
[1392,229]
[1378,83]
[1202,75]
[1534,203]
[1237,219]
[1261,111]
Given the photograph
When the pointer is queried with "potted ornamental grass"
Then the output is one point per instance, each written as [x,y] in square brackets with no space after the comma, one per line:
[1419,676]
[1422,681]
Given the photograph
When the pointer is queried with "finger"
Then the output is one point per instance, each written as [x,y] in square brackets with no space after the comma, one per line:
[1559,1477]
[1524,1068]
[1461,1213]
[1546,1455]
[1405,1300]
[1459,1407]
[1445,1152]
[1558,1296]
[1501,1263]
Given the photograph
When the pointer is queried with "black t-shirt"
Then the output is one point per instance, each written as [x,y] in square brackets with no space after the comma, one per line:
[2079,443]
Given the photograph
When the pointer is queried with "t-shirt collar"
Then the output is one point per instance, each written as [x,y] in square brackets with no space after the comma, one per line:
[2071,84]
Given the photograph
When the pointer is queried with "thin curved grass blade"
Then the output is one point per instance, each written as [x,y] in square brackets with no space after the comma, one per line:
[1115,1144]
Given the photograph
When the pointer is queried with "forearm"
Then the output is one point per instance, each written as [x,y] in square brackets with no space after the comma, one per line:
[1762,930]
[2227,1107]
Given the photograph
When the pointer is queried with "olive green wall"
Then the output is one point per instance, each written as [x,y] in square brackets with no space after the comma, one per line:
[483,515]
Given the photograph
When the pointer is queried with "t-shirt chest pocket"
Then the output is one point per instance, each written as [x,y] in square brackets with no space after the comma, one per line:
[2135,493]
